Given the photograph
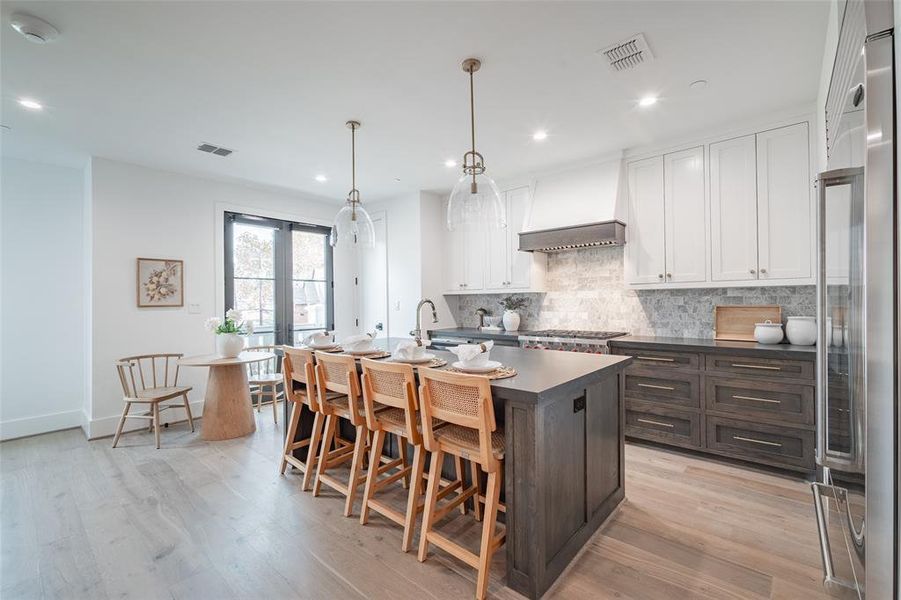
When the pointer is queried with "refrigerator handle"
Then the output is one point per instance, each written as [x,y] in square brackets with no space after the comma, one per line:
[852,461]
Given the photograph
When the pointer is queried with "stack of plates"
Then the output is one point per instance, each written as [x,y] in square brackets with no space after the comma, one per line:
[326,346]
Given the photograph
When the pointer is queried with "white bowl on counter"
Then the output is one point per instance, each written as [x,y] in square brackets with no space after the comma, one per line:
[768,332]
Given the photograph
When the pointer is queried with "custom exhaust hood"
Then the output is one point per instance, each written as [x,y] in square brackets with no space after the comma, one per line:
[577,208]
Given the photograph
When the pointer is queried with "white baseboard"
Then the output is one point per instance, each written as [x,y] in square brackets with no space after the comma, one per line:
[106,426]
[16,428]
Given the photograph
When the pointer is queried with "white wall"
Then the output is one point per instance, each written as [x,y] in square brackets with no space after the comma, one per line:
[43,291]
[144,212]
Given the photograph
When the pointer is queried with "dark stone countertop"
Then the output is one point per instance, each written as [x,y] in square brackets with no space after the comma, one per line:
[709,345]
[475,332]
[540,374]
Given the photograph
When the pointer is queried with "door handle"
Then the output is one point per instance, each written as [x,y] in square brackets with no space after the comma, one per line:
[756,441]
[757,399]
[762,367]
[658,359]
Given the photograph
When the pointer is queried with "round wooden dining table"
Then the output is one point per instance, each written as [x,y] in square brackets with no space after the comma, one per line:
[227,409]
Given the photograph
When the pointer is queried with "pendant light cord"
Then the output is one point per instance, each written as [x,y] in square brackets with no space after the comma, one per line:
[353,158]
[472,120]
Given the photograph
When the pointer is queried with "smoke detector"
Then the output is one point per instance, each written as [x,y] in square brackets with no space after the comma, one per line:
[628,53]
[34,29]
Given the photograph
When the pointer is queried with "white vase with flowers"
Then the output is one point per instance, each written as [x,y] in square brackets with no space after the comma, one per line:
[230,333]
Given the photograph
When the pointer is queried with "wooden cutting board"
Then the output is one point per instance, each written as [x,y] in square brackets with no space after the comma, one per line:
[736,322]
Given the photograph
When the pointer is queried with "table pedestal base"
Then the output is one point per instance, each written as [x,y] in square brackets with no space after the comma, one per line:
[227,411]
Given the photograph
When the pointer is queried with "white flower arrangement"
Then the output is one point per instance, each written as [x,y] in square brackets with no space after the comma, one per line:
[234,323]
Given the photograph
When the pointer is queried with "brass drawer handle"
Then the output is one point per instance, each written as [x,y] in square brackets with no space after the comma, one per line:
[656,358]
[656,387]
[753,441]
[769,400]
[764,367]
[649,422]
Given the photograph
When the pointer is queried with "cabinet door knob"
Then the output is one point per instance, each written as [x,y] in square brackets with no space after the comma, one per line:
[660,276]
[763,271]
[669,275]
[753,271]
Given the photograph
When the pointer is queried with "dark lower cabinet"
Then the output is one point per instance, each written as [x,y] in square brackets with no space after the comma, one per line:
[566,473]
[755,406]
[769,444]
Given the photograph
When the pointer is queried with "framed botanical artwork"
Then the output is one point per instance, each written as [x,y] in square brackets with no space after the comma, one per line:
[161,282]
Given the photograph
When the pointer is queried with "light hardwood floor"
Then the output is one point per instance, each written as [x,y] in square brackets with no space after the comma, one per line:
[211,520]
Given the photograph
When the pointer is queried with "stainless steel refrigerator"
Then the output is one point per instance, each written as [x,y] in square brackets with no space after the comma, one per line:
[855,498]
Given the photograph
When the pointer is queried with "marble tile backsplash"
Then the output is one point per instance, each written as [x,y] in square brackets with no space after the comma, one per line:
[586,290]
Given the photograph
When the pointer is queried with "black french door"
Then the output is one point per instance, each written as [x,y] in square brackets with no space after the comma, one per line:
[279,274]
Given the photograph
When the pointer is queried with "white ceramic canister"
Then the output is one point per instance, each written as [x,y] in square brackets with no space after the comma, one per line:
[801,331]
[768,332]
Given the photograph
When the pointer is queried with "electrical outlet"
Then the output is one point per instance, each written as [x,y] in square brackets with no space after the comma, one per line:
[193,308]
[397,305]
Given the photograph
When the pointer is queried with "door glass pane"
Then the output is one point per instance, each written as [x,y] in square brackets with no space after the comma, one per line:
[309,285]
[254,273]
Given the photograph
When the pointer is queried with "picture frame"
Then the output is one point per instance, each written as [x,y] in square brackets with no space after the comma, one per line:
[160,282]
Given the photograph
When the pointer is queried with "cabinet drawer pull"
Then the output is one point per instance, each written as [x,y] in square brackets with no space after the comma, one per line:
[753,441]
[656,358]
[764,367]
[656,387]
[769,400]
[649,422]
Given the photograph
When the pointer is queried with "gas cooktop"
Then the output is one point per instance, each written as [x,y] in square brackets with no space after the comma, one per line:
[576,333]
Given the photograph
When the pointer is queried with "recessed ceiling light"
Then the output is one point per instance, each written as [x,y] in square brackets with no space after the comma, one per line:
[321,178]
[539,135]
[31,104]
[450,163]
[700,84]
[397,179]
[33,29]
[648,101]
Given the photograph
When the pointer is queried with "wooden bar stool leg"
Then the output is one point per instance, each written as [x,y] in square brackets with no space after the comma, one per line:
[356,467]
[413,496]
[477,483]
[156,423]
[289,437]
[330,422]
[188,412]
[487,547]
[460,471]
[431,499]
[121,423]
[372,475]
[275,403]
[314,453]
[404,457]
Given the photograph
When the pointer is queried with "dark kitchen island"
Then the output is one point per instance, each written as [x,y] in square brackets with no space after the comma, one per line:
[564,470]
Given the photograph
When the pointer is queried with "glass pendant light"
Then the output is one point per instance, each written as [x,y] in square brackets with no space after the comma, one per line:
[353,226]
[475,203]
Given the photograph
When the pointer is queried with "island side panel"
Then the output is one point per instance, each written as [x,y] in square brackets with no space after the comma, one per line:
[565,466]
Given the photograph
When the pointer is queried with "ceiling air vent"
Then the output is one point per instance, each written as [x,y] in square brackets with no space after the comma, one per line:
[628,53]
[211,149]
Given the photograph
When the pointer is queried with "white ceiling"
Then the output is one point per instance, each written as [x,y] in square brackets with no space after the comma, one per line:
[146,82]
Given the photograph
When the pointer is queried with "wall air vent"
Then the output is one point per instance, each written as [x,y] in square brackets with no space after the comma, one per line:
[211,149]
[628,53]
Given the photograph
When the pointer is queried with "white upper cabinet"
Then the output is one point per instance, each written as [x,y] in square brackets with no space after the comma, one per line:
[685,216]
[521,263]
[645,247]
[744,214]
[733,209]
[490,261]
[784,204]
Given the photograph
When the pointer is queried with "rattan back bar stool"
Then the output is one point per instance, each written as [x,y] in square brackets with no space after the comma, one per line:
[338,373]
[391,403]
[464,404]
[298,369]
